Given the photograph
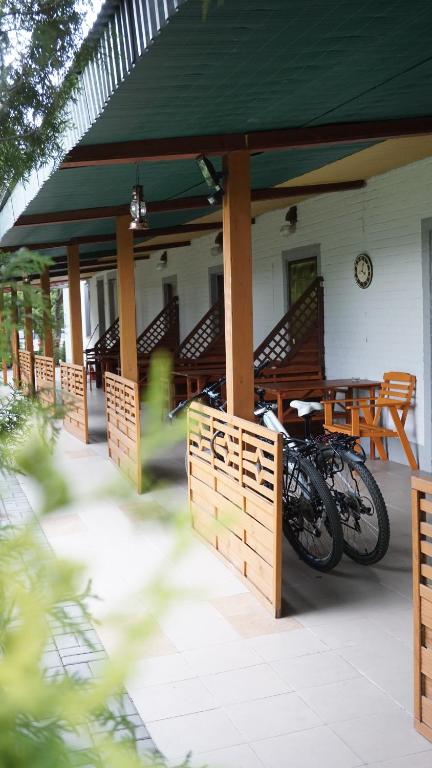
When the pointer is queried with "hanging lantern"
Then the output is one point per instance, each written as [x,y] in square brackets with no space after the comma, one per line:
[138,209]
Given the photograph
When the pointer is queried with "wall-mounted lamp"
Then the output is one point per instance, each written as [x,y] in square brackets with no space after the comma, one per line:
[217,249]
[291,219]
[212,178]
[138,209]
[163,261]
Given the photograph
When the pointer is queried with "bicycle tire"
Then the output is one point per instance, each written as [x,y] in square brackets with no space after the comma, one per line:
[332,522]
[383,522]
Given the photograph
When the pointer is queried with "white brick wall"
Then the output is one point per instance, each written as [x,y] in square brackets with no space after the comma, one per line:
[366,331]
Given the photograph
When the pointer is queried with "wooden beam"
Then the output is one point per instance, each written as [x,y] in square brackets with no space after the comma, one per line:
[237,259]
[47,325]
[190,147]
[142,237]
[178,204]
[126,299]
[14,335]
[95,257]
[75,304]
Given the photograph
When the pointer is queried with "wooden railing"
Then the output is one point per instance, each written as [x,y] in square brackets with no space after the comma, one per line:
[26,367]
[205,336]
[44,371]
[163,331]
[422,602]
[235,495]
[305,319]
[109,340]
[123,426]
[73,384]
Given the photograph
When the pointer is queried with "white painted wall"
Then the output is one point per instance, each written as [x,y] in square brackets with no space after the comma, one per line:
[367,331]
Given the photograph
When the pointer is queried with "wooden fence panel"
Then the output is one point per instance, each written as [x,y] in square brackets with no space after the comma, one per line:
[73,384]
[422,603]
[235,495]
[26,371]
[123,425]
[44,371]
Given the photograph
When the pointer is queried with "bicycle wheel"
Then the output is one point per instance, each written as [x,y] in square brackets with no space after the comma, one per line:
[310,518]
[362,511]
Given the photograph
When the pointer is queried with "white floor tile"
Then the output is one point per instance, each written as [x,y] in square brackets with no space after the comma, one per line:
[172,700]
[232,757]
[197,625]
[382,737]
[347,699]
[297,642]
[420,760]
[244,684]
[221,658]
[160,669]
[273,716]
[306,749]
[204,731]
[314,669]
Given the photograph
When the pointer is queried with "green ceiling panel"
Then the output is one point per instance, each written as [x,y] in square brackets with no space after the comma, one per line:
[249,65]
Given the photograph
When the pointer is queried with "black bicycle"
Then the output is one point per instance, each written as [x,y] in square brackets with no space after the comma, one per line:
[311,521]
[340,459]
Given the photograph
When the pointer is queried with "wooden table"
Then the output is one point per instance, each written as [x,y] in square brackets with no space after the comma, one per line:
[197,378]
[325,389]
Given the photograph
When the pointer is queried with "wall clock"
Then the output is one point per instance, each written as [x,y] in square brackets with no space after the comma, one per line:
[363,270]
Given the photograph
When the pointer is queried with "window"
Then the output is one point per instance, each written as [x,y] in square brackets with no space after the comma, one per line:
[112,299]
[169,288]
[100,287]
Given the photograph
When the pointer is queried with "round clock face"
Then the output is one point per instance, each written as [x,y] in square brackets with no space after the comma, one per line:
[363,270]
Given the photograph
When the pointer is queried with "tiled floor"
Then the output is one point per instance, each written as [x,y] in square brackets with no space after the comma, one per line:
[329,685]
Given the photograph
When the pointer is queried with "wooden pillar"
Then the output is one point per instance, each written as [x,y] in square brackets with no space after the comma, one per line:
[47,326]
[14,336]
[237,247]
[4,339]
[126,298]
[75,304]
[28,322]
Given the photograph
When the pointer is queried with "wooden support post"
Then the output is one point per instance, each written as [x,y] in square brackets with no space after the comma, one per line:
[47,327]
[126,299]
[14,336]
[237,259]
[75,304]
[28,322]
[4,338]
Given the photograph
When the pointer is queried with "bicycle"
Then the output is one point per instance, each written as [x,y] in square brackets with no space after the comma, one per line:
[340,459]
[310,516]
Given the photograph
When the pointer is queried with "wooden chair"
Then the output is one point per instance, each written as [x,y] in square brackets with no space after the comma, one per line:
[395,396]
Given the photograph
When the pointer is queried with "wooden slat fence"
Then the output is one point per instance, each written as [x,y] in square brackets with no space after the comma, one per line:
[44,371]
[73,384]
[235,495]
[123,425]
[422,602]
[26,371]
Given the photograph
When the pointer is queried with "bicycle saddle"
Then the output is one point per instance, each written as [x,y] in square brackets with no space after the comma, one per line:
[304,408]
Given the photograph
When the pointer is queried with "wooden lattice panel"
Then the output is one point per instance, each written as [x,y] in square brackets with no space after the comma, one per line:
[109,340]
[301,319]
[422,603]
[26,371]
[235,495]
[73,384]
[44,373]
[205,335]
[163,331]
[123,425]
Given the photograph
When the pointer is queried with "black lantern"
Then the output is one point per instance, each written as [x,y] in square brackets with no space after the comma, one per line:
[138,209]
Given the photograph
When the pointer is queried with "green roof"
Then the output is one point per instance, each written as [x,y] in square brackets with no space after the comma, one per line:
[249,65]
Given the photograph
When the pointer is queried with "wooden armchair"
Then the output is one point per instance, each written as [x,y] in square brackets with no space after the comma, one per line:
[362,415]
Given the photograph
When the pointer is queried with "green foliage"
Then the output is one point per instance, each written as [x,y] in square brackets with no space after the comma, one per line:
[40,58]
[43,719]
